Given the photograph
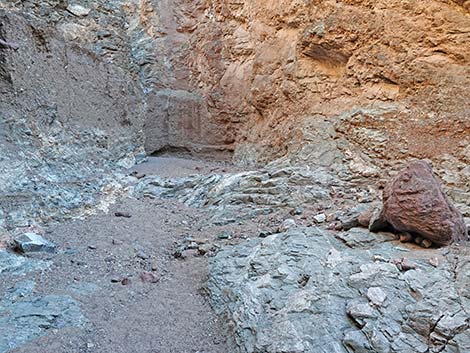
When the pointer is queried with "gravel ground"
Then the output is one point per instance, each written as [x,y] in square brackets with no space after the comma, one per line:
[101,262]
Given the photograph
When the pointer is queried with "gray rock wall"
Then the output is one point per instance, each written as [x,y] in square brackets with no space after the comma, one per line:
[70,108]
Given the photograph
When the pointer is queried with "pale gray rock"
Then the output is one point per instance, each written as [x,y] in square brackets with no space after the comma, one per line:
[32,242]
[307,290]
[287,224]
[78,10]
[13,263]
[376,296]
[250,194]
[26,319]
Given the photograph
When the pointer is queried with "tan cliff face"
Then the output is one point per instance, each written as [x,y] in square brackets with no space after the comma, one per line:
[360,82]
[356,85]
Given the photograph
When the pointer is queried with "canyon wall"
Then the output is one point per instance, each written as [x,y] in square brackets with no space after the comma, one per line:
[358,86]
[70,107]
[353,83]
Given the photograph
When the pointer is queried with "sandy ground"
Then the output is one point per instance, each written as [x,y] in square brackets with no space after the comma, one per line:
[170,316]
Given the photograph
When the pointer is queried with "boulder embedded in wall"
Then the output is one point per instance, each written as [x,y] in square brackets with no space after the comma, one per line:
[414,202]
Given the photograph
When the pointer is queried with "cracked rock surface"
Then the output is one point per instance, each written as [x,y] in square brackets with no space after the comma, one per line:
[307,290]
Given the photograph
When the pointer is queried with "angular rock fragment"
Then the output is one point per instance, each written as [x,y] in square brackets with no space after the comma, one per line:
[32,242]
[414,202]
[78,10]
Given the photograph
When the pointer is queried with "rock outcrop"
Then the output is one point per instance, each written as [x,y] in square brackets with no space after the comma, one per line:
[70,108]
[414,202]
[360,83]
[306,290]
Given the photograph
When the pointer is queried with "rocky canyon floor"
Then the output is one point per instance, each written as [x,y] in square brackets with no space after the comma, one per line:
[136,292]
[197,256]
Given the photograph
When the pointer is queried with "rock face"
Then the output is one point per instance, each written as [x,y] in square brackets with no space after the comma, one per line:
[308,291]
[414,202]
[330,79]
[70,107]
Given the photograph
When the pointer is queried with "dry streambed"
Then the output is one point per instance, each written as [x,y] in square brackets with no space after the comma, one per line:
[263,247]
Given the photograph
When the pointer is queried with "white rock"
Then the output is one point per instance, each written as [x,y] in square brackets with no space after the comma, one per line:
[320,218]
[78,10]
[287,224]
[376,295]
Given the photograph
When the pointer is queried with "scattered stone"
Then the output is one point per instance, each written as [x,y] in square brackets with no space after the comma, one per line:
[149,277]
[350,219]
[404,264]
[418,240]
[406,237]
[365,217]
[331,217]
[415,202]
[303,280]
[434,261]
[265,233]
[204,249]
[178,255]
[142,255]
[376,296]
[126,281]
[360,311]
[123,214]
[117,242]
[360,237]
[92,247]
[138,175]
[78,10]
[116,280]
[320,218]
[32,242]
[287,224]
[224,235]
[296,211]
[426,243]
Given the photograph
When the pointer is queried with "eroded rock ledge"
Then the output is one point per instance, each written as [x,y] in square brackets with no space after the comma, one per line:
[309,291]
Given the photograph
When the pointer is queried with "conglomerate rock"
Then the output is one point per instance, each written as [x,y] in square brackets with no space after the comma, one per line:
[415,202]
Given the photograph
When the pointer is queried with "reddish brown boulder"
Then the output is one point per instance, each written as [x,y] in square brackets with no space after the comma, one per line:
[414,202]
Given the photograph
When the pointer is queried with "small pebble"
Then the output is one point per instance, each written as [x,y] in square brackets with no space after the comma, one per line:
[224,235]
[405,237]
[123,214]
[148,277]
[426,243]
[142,255]
[434,261]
